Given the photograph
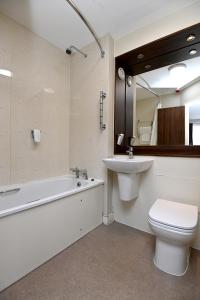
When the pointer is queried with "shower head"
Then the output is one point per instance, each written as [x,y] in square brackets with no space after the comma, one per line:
[69,51]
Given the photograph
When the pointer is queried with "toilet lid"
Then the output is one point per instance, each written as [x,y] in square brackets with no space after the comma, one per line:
[174,214]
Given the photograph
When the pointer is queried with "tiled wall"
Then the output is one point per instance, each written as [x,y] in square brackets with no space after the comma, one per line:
[175,179]
[37,96]
[171,178]
[88,144]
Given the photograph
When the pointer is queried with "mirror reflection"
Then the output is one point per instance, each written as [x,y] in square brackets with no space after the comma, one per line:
[168,105]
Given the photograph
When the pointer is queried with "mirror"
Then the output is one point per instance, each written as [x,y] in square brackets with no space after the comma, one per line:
[167,109]
[163,109]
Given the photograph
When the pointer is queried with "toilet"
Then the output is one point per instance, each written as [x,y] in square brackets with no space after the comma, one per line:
[174,225]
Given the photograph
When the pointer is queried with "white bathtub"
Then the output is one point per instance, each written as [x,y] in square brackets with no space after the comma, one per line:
[41,218]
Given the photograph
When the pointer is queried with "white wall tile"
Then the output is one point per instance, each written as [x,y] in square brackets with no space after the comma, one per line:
[174,179]
[37,96]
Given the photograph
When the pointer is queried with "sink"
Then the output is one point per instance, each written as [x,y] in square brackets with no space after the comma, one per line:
[128,174]
[126,165]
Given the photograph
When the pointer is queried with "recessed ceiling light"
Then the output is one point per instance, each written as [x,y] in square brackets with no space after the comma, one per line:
[191,38]
[178,74]
[193,52]
[140,56]
[177,69]
[147,67]
[5,72]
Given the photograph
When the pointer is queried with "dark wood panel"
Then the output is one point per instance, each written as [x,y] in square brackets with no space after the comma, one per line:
[164,60]
[166,51]
[120,110]
[171,126]
[183,151]
[129,113]
[170,43]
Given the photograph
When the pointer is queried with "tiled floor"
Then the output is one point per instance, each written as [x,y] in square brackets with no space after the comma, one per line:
[112,262]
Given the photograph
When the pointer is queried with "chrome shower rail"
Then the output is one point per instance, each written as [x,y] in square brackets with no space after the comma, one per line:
[150,90]
[69,51]
[72,4]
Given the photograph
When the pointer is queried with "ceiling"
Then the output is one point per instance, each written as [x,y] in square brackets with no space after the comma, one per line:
[58,23]
[163,83]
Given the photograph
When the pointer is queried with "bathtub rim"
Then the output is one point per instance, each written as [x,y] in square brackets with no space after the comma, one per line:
[91,184]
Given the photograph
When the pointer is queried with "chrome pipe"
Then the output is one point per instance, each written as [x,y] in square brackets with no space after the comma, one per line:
[69,51]
[150,90]
[75,8]
[140,76]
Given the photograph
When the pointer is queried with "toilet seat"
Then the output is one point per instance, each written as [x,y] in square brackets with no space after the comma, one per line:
[172,215]
[174,225]
[171,228]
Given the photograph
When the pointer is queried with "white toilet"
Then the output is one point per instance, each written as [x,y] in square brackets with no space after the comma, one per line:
[174,225]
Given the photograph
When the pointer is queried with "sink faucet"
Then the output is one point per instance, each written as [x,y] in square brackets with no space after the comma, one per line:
[130,152]
[130,147]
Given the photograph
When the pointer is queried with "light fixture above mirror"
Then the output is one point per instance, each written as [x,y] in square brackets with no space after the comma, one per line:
[193,52]
[191,38]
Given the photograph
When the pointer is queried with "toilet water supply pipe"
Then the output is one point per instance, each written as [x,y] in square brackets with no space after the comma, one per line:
[76,9]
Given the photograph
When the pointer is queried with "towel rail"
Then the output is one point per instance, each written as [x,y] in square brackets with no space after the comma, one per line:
[101,110]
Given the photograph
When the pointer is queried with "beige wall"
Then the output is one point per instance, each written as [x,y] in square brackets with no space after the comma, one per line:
[25,104]
[88,144]
[172,178]
[172,23]
[175,179]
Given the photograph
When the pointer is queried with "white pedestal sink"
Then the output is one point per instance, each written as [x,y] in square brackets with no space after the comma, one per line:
[128,172]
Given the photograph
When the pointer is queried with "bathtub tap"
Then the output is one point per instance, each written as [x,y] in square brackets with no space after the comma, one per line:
[83,172]
[76,171]
[79,172]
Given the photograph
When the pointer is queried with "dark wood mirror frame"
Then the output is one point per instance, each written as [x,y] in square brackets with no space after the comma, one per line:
[163,52]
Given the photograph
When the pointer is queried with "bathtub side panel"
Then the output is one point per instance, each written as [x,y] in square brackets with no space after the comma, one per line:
[30,238]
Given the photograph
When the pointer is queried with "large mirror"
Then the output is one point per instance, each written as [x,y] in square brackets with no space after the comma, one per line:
[168,105]
[157,99]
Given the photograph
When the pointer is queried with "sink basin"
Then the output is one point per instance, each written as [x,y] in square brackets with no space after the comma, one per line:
[126,165]
[128,174]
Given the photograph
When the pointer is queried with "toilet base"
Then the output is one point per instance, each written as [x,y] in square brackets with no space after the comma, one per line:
[171,258]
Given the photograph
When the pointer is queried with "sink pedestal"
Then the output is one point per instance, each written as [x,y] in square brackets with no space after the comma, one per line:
[128,186]
[128,174]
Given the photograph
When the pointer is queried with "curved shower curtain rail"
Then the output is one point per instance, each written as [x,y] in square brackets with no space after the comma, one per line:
[71,3]
[148,89]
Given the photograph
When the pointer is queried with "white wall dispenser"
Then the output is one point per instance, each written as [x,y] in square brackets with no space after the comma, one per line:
[36,135]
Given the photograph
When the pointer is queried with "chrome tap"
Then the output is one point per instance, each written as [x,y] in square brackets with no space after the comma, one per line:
[130,147]
[76,171]
[130,152]
[79,172]
[83,172]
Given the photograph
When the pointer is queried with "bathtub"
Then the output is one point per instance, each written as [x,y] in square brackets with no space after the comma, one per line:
[41,218]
